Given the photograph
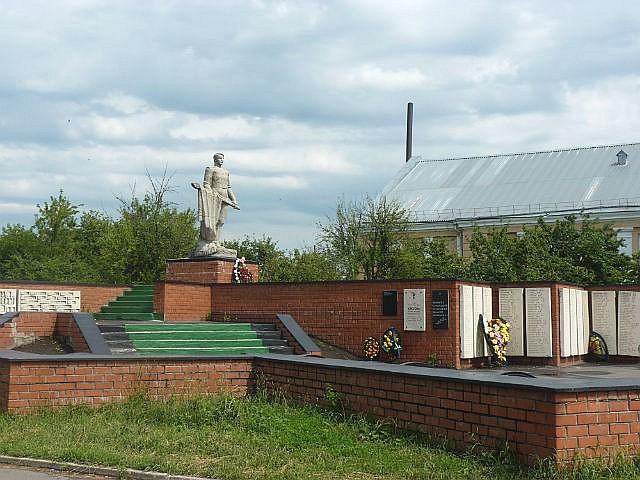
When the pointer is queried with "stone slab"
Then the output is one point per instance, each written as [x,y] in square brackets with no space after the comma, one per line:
[511,309]
[629,323]
[538,322]
[603,315]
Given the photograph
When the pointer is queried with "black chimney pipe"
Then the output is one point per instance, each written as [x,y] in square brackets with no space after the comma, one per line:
[409,130]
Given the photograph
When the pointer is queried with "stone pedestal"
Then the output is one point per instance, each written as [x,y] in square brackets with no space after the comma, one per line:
[206,269]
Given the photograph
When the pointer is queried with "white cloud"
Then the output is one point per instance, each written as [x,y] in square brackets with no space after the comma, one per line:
[305,99]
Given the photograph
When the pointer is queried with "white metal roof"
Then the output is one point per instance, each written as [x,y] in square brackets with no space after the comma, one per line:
[518,184]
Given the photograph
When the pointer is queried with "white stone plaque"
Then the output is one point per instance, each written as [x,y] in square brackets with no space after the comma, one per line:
[511,309]
[49,300]
[8,300]
[538,322]
[603,315]
[467,325]
[487,307]
[478,310]
[584,346]
[414,309]
[628,323]
[574,320]
[565,323]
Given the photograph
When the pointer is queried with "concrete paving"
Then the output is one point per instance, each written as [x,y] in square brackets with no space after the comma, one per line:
[19,473]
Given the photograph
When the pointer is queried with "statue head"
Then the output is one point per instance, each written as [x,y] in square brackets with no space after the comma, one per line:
[218,159]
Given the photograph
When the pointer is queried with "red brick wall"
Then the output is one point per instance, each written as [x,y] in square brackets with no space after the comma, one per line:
[535,423]
[205,271]
[92,297]
[594,424]
[32,385]
[185,302]
[28,326]
[67,329]
[346,313]
[25,327]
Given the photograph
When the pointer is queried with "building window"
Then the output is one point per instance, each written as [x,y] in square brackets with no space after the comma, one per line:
[626,235]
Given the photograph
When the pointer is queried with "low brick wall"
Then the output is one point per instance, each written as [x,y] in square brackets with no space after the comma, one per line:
[540,417]
[92,297]
[26,385]
[25,327]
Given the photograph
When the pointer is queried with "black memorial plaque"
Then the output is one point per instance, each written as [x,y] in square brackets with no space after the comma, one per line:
[389,302]
[440,309]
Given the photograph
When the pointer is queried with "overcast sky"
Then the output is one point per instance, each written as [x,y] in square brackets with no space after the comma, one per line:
[306,99]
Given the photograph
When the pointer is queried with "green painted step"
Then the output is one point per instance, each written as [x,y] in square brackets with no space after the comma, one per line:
[212,344]
[127,316]
[127,308]
[135,304]
[194,335]
[190,327]
[204,351]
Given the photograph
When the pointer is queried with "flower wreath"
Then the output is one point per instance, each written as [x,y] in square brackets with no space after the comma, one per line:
[598,351]
[498,336]
[371,348]
[391,343]
[241,274]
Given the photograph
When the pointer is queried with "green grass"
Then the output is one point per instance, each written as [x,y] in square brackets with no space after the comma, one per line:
[257,438]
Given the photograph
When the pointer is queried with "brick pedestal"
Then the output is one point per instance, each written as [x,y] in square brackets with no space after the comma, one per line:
[205,270]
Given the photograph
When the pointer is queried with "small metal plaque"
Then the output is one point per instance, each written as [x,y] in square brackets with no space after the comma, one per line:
[389,303]
[440,309]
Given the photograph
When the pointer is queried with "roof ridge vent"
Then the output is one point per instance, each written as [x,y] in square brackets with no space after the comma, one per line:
[622,158]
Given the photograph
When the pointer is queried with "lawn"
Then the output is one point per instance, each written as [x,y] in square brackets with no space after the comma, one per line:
[258,438]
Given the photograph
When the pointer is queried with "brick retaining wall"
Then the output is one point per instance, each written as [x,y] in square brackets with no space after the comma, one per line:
[26,385]
[344,314]
[92,297]
[540,417]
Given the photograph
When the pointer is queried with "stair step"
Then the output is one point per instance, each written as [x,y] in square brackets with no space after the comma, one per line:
[126,316]
[191,327]
[130,302]
[168,343]
[127,308]
[193,335]
[202,350]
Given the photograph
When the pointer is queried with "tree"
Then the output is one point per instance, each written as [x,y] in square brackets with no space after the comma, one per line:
[365,237]
[148,232]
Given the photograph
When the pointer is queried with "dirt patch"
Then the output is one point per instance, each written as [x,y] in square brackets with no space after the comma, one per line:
[45,346]
[331,351]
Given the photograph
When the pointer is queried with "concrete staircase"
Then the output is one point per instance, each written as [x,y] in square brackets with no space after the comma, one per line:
[135,304]
[203,338]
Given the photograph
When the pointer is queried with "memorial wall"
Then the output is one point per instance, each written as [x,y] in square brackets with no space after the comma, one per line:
[574,322]
[475,306]
[22,300]
[629,323]
[528,310]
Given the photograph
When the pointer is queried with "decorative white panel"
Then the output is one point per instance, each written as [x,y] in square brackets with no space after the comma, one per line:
[8,300]
[48,300]
[467,325]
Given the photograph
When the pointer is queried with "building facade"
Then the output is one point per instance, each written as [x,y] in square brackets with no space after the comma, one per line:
[448,198]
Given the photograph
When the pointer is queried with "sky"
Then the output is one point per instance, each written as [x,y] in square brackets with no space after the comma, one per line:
[307,100]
